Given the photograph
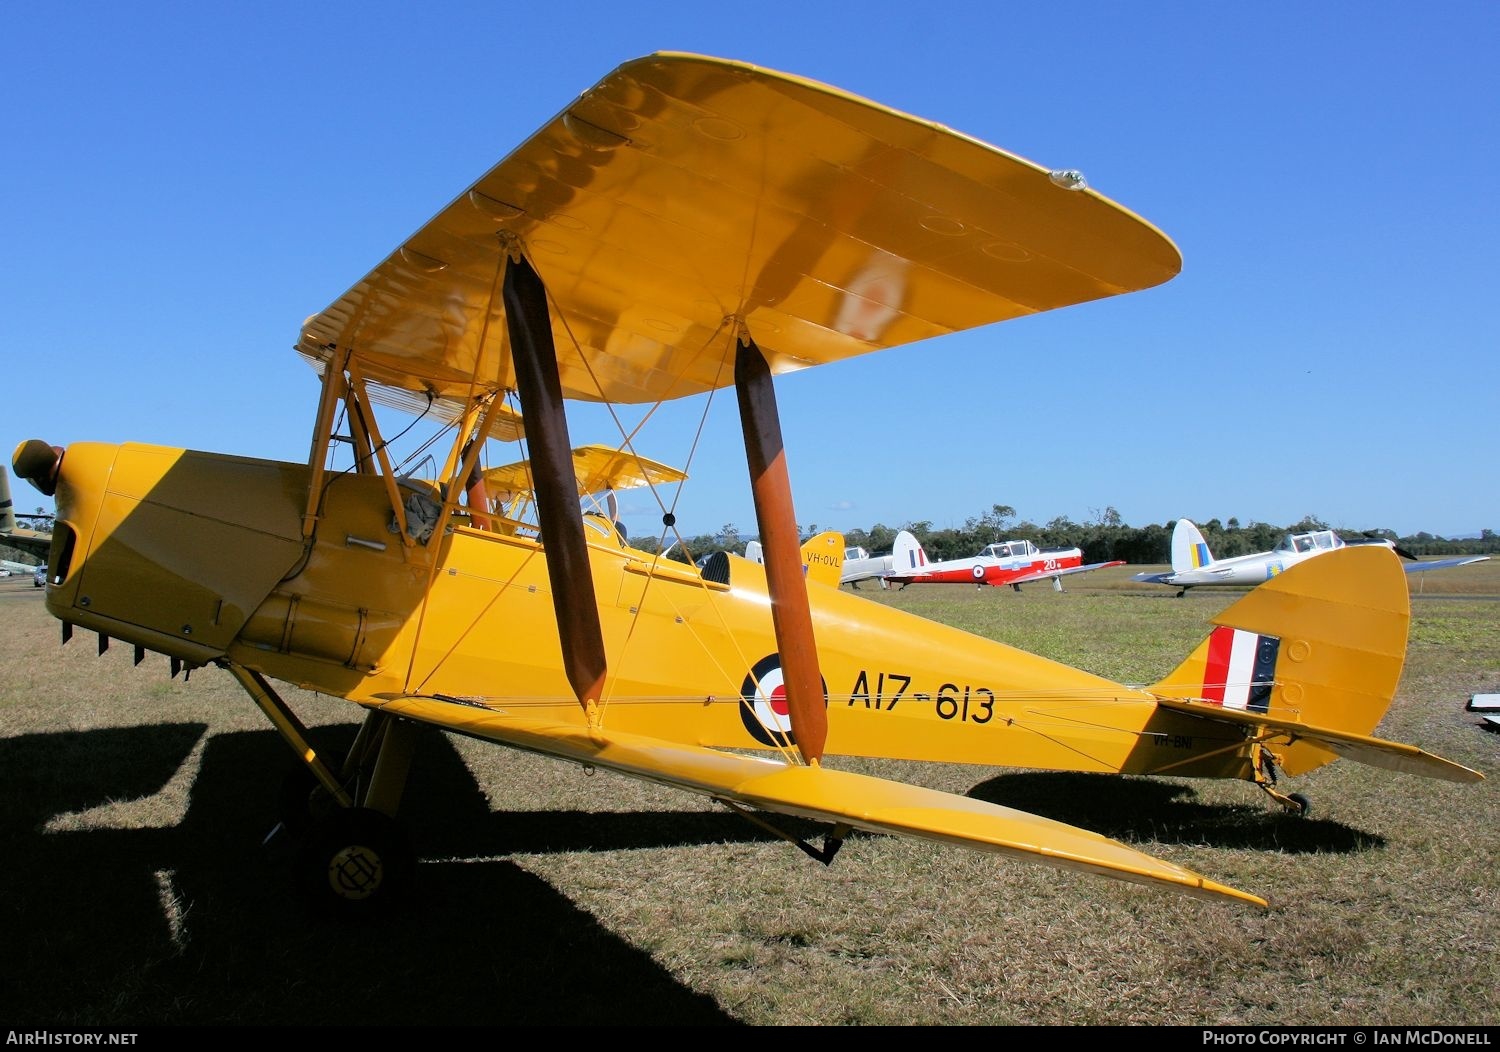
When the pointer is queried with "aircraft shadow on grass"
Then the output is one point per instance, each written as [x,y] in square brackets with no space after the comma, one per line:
[92,939]
[188,923]
[1146,809]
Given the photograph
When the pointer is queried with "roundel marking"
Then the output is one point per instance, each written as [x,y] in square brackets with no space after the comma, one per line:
[763,708]
[978,572]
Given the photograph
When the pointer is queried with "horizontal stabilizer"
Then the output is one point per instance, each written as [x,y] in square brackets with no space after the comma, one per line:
[1376,752]
[1153,578]
[871,804]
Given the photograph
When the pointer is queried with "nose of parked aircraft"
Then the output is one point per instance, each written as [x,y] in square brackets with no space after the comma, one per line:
[37,462]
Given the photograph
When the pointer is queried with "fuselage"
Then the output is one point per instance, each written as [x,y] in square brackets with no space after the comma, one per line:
[203,557]
[1253,569]
[998,564]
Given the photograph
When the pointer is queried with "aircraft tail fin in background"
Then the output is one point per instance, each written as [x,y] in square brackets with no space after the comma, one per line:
[1313,656]
[823,556]
[7,508]
[1189,549]
[907,554]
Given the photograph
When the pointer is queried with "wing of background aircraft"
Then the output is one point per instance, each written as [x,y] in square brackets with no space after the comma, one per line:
[12,534]
[1424,565]
[1050,575]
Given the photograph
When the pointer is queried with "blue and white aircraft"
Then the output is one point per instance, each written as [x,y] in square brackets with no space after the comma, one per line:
[1194,566]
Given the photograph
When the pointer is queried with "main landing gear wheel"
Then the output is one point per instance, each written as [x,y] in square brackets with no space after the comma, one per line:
[301,801]
[356,862]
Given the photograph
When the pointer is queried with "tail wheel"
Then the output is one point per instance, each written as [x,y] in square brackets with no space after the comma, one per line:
[356,862]
[1302,804]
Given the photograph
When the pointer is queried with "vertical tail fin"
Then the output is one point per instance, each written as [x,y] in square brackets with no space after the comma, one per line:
[1189,549]
[907,554]
[1322,644]
[7,509]
[823,557]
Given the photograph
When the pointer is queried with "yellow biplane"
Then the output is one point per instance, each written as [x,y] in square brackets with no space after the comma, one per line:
[686,225]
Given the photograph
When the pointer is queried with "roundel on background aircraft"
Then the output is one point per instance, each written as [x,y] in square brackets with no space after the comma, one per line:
[763,708]
[978,572]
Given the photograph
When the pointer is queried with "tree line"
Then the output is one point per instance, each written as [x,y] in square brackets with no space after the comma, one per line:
[1104,538]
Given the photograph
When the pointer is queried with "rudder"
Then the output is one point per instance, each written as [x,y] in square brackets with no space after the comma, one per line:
[1189,549]
[7,509]
[823,557]
[907,554]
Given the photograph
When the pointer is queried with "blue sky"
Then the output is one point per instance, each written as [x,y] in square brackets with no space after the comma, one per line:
[185,183]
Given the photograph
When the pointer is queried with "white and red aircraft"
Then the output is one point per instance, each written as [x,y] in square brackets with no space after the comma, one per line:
[1009,562]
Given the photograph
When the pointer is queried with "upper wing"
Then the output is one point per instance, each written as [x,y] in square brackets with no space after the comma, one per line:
[683,191]
[1044,575]
[818,793]
[1440,564]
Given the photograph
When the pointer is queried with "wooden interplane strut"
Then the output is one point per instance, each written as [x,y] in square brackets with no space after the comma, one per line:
[559,516]
[791,614]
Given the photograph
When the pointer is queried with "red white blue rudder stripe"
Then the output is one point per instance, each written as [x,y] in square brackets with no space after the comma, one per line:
[1241,669]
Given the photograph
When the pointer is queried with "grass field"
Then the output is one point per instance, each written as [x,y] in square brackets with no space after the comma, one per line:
[138,890]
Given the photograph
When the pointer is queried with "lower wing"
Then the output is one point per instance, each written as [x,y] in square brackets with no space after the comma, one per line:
[875,805]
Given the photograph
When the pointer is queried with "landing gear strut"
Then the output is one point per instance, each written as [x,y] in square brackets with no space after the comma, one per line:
[353,859]
[1295,804]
